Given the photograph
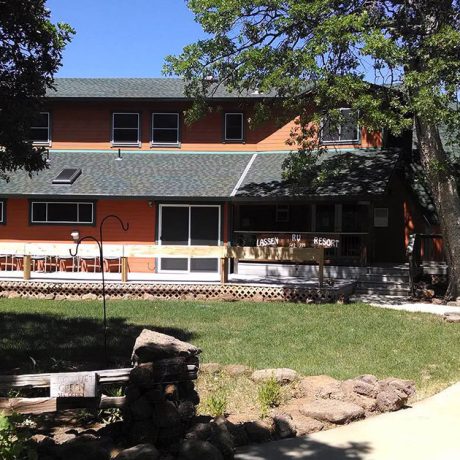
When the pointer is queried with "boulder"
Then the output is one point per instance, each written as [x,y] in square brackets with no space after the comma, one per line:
[143,432]
[237,370]
[259,430]
[199,450]
[452,317]
[200,431]
[360,387]
[210,368]
[284,426]
[281,375]
[222,439]
[86,447]
[139,452]
[141,409]
[89,296]
[152,346]
[165,414]
[305,425]
[403,387]
[333,390]
[333,411]
[310,386]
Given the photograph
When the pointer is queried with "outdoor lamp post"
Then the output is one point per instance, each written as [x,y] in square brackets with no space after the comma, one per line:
[100,244]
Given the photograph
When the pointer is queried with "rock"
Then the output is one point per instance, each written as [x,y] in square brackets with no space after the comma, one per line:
[259,430]
[170,435]
[139,452]
[389,401]
[86,447]
[165,414]
[227,297]
[284,426]
[154,395]
[361,387]
[368,404]
[151,346]
[404,387]
[238,434]
[142,375]
[200,431]
[305,425]
[14,295]
[332,391]
[199,450]
[258,298]
[60,297]
[210,368]
[310,386]
[452,317]
[187,410]
[148,296]
[143,432]
[333,411]
[236,370]
[281,375]
[141,409]
[132,393]
[89,296]
[222,439]
[171,392]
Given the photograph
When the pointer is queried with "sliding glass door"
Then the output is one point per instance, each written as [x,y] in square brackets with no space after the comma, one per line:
[189,225]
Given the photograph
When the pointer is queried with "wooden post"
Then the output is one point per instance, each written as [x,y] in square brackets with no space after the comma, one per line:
[224,270]
[321,268]
[124,269]
[27,266]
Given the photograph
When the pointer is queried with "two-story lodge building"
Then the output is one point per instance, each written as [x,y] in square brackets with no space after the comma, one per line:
[121,146]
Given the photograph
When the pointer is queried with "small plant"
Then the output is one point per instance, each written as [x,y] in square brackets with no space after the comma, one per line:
[269,395]
[216,403]
[13,442]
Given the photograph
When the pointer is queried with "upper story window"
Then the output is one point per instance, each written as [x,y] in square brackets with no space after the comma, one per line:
[165,129]
[61,212]
[346,132]
[2,212]
[233,127]
[125,129]
[40,130]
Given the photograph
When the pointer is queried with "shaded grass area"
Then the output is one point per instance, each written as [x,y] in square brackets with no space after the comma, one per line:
[339,340]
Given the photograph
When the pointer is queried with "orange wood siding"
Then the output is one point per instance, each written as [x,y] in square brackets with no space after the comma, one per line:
[88,125]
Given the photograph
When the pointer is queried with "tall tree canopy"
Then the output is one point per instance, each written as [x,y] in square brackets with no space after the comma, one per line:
[30,53]
[394,61]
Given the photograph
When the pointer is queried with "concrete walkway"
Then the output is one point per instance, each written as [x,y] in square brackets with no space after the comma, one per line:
[427,431]
[401,303]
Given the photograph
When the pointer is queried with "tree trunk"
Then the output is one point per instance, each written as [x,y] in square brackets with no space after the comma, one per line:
[443,186]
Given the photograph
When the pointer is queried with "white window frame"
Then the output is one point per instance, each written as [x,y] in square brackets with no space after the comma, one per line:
[48,141]
[177,143]
[241,139]
[189,206]
[357,140]
[2,212]
[134,143]
[65,222]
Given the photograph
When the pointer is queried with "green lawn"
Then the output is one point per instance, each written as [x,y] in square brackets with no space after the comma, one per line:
[339,340]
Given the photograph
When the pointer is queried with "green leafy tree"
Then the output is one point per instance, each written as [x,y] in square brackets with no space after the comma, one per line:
[30,53]
[396,62]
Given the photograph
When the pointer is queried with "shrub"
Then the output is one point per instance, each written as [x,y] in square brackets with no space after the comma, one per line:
[13,442]
[216,403]
[269,395]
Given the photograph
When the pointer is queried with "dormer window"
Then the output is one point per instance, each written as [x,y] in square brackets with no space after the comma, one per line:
[233,127]
[40,130]
[346,132]
[125,129]
[165,129]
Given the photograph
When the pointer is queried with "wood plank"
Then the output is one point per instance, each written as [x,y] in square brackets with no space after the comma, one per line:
[275,253]
[27,405]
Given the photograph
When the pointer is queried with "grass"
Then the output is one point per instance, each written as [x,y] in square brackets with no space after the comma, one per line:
[339,340]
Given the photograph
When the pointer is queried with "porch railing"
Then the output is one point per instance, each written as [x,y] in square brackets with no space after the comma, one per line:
[349,247]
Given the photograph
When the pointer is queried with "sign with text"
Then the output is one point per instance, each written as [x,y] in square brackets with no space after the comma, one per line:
[73,385]
[295,240]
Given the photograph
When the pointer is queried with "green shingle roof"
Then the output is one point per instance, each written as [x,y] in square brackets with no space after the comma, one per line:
[204,176]
[131,88]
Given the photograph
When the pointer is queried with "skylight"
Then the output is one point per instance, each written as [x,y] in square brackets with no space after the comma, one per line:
[67,176]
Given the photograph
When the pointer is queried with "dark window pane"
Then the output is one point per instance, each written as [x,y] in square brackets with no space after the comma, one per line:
[62,212]
[125,120]
[41,121]
[204,265]
[2,217]
[39,134]
[39,212]
[174,264]
[86,213]
[325,218]
[349,126]
[330,133]
[233,126]
[204,226]
[125,135]
[174,225]
[165,120]
[166,136]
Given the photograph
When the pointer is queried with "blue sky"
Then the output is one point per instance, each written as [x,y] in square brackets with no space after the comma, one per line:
[123,38]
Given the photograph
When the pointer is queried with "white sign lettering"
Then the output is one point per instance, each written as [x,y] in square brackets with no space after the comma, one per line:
[325,242]
[268,241]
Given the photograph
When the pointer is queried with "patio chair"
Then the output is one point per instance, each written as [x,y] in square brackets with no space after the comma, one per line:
[90,263]
[112,262]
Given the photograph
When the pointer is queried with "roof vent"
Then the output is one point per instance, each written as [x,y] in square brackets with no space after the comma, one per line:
[67,176]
